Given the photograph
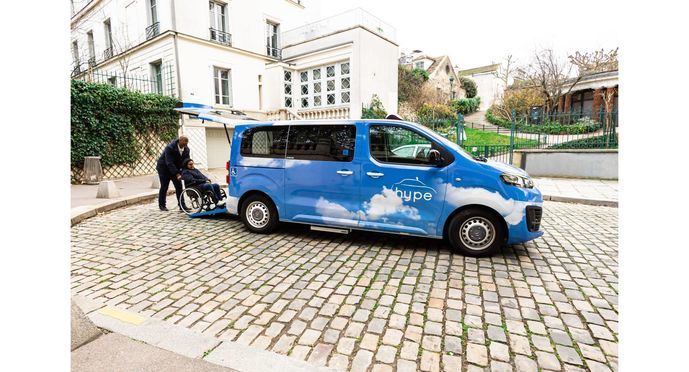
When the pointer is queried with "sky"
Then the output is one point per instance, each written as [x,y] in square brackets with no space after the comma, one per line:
[476,33]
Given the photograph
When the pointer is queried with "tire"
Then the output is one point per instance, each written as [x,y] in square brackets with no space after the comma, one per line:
[476,232]
[259,215]
[192,201]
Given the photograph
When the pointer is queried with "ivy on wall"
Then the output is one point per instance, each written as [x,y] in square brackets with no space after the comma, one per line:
[107,120]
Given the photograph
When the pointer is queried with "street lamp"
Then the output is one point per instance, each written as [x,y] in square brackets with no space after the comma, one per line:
[452,91]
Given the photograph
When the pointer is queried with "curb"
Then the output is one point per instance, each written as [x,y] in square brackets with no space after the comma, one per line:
[594,202]
[184,341]
[79,214]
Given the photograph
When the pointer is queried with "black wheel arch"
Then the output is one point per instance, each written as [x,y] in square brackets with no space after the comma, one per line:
[476,206]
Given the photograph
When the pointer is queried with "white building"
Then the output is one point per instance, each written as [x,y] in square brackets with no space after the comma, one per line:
[261,57]
[488,86]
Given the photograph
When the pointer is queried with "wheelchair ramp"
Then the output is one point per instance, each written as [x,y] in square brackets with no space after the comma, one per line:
[211,212]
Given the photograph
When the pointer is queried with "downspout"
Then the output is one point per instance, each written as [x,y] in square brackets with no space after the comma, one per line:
[174,42]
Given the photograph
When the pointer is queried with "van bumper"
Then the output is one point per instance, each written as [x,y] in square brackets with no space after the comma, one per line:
[529,227]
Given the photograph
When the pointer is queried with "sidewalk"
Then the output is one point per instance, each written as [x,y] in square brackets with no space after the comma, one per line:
[589,191]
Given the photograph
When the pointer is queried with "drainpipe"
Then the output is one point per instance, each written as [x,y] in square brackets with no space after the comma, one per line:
[174,41]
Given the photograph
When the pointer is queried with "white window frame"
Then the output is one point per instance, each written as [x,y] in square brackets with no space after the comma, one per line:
[157,75]
[285,83]
[91,45]
[311,82]
[218,95]
[218,15]
[75,53]
[152,11]
[270,48]
[107,27]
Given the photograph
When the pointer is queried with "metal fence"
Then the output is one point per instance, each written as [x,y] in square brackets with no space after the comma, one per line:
[160,81]
[573,130]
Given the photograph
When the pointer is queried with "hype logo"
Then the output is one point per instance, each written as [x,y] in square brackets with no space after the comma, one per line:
[413,190]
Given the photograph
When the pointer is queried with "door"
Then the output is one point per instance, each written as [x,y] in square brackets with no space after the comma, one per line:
[402,190]
[322,177]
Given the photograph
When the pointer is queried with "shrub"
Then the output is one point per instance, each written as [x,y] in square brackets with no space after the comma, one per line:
[603,141]
[519,101]
[420,74]
[409,83]
[466,105]
[375,110]
[106,120]
[585,125]
[469,86]
[434,112]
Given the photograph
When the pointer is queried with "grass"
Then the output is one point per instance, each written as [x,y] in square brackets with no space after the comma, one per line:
[477,137]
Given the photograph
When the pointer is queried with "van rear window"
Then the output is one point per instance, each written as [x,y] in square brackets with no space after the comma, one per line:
[264,142]
[321,142]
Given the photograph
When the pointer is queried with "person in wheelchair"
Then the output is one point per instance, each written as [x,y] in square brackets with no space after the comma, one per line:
[193,177]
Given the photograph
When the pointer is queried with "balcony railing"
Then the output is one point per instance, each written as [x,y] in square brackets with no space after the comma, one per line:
[274,52]
[221,37]
[152,31]
[92,61]
[340,22]
[108,52]
[76,70]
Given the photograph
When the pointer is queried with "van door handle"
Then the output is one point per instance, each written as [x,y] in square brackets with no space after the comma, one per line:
[345,172]
[374,174]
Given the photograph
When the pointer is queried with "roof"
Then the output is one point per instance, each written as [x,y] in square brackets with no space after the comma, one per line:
[479,70]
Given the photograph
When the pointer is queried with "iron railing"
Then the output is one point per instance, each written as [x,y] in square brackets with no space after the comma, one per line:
[92,61]
[274,52]
[108,52]
[140,83]
[152,31]
[221,37]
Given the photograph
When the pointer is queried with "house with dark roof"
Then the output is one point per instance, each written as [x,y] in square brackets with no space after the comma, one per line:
[441,74]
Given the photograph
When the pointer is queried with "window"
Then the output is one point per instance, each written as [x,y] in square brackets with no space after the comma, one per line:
[325,85]
[91,46]
[288,88]
[154,11]
[272,39]
[218,23]
[394,144]
[264,142]
[223,86]
[108,34]
[75,53]
[321,142]
[157,77]
[419,65]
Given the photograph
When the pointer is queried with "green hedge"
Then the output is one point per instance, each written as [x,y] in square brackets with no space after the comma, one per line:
[466,106]
[469,86]
[106,121]
[598,142]
[580,127]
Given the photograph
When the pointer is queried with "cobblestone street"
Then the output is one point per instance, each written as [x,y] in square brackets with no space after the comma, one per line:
[366,301]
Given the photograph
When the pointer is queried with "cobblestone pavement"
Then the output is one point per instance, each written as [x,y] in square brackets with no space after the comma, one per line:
[366,301]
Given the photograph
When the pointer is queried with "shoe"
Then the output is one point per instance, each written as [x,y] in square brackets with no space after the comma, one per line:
[164,209]
[221,203]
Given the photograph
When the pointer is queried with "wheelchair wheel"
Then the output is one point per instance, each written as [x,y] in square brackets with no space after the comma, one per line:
[192,201]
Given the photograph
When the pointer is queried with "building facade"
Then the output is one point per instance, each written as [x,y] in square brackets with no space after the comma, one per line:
[590,96]
[488,86]
[265,58]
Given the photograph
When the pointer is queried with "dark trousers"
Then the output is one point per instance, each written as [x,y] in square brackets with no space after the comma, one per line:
[165,179]
[212,187]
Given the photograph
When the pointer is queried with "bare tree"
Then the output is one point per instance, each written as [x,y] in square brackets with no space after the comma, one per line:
[551,75]
[608,103]
[595,62]
[506,70]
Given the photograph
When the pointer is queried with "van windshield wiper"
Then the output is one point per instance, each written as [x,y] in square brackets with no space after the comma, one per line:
[480,158]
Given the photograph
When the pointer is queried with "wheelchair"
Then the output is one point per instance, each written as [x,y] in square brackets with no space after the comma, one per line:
[194,199]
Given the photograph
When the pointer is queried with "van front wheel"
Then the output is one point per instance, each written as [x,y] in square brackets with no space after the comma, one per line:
[475,232]
[259,214]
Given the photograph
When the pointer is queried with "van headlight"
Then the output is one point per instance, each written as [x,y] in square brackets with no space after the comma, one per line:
[519,181]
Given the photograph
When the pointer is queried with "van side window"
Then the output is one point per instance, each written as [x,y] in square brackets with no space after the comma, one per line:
[264,142]
[321,142]
[395,144]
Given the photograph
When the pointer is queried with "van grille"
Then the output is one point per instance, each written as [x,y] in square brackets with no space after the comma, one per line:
[533,217]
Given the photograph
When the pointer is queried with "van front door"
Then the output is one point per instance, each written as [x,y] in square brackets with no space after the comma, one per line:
[322,177]
[402,190]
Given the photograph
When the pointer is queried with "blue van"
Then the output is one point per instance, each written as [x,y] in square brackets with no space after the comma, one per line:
[378,175]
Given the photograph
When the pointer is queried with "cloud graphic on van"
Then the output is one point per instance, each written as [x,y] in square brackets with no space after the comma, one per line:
[329,209]
[512,210]
[387,203]
[379,207]
[260,162]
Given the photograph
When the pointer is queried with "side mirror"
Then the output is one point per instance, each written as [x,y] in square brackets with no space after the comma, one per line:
[434,157]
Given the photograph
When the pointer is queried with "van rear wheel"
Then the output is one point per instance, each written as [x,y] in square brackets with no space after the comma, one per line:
[475,232]
[259,214]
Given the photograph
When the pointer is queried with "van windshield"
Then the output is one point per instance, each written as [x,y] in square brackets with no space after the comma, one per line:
[448,143]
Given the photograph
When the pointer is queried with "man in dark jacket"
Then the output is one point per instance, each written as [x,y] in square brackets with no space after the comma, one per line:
[194,177]
[169,168]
